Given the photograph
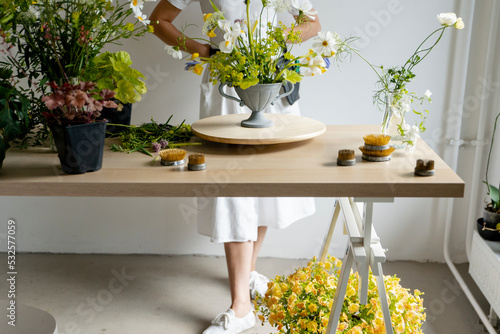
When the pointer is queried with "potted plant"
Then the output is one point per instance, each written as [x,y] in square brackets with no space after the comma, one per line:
[301,302]
[56,41]
[78,135]
[257,59]
[113,71]
[489,225]
[14,107]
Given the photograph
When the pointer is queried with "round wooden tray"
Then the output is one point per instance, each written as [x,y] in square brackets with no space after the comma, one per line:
[286,129]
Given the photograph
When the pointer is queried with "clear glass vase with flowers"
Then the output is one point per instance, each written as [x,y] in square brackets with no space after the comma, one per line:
[395,99]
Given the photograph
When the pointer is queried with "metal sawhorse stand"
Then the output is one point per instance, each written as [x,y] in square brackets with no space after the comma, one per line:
[364,251]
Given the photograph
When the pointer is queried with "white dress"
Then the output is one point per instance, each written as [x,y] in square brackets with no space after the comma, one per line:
[230,219]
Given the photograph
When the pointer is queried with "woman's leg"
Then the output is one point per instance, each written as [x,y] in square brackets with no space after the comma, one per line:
[257,245]
[239,259]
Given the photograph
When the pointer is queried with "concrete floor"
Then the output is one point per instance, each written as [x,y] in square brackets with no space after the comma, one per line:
[135,294]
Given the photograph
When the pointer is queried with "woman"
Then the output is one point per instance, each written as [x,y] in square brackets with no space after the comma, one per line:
[239,223]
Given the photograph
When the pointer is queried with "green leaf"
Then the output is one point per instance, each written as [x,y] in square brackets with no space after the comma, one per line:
[494,195]
[248,82]
[125,92]
[292,76]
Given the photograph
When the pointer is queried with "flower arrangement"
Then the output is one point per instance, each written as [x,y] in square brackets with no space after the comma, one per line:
[254,52]
[301,303]
[393,94]
[76,103]
[59,38]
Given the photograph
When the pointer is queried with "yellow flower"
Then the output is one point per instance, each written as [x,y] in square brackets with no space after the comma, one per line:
[151,29]
[400,327]
[312,326]
[206,16]
[353,308]
[273,318]
[324,322]
[312,307]
[276,291]
[356,330]
[211,33]
[350,291]
[129,27]
[302,323]
[342,326]
[297,288]
[400,307]
[197,69]
[310,288]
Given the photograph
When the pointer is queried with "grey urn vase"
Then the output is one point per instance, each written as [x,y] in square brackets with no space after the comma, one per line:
[256,98]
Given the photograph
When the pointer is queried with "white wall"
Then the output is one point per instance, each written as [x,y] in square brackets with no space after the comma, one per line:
[409,228]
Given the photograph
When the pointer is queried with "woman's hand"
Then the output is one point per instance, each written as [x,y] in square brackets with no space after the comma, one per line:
[162,19]
[308,27]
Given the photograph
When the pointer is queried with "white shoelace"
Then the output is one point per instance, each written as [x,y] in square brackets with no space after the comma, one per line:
[222,319]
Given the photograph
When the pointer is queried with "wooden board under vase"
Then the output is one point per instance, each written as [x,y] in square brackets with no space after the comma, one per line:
[287,129]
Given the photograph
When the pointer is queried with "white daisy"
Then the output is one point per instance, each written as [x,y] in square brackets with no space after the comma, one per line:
[315,66]
[173,51]
[142,18]
[137,6]
[305,8]
[326,43]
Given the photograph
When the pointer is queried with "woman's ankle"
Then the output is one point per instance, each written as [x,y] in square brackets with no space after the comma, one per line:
[241,309]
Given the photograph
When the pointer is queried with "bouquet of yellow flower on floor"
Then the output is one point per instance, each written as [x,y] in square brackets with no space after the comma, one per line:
[301,302]
[254,52]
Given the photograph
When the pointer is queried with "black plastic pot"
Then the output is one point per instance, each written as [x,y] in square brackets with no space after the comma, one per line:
[117,117]
[80,147]
[490,232]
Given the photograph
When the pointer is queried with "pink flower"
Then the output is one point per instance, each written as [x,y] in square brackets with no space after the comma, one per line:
[53,101]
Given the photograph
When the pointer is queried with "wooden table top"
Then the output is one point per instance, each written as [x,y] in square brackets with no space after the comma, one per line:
[306,168]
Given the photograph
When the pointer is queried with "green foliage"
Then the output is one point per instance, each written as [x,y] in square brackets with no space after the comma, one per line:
[141,138]
[60,38]
[113,71]
[14,107]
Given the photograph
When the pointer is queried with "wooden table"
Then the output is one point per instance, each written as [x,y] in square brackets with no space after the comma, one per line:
[306,168]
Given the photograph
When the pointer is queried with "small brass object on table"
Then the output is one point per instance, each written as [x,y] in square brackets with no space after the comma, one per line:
[346,158]
[424,167]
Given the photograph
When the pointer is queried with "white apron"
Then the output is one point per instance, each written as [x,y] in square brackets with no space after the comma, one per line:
[229,219]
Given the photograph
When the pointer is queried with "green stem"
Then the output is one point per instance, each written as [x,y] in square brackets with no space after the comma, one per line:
[413,64]
[250,32]
[382,79]
[491,147]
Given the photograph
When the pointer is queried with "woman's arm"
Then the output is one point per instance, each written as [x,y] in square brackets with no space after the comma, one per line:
[162,17]
[308,27]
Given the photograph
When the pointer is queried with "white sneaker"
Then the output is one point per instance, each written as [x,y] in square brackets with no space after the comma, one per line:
[258,284]
[227,323]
